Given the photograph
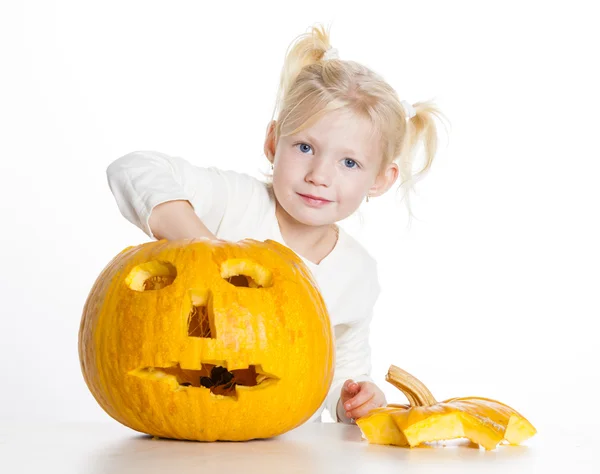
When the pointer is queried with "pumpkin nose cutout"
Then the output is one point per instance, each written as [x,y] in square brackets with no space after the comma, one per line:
[201,321]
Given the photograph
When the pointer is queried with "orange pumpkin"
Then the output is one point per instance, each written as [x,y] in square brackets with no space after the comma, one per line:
[207,340]
[484,421]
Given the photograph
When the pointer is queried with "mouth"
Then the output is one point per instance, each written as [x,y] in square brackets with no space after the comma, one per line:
[214,377]
[314,201]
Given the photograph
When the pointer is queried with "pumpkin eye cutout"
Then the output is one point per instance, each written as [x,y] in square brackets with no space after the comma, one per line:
[151,276]
[246,273]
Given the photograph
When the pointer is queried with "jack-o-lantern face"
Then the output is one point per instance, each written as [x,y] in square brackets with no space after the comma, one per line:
[207,340]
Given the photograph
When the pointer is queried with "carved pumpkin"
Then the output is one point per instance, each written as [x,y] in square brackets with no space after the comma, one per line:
[484,421]
[207,340]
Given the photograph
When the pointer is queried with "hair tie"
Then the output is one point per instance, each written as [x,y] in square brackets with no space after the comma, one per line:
[409,109]
[331,53]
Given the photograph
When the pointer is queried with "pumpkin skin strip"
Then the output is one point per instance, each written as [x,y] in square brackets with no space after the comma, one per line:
[442,422]
[484,421]
[380,428]
[518,428]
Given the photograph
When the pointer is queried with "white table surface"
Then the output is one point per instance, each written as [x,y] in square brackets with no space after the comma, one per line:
[93,448]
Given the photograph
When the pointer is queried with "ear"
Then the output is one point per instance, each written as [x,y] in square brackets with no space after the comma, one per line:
[384,180]
[270,141]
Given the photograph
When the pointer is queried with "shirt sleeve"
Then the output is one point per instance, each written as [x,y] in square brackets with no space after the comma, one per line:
[142,180]
[353,350]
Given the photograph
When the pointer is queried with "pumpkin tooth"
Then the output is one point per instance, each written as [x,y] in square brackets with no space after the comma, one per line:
[261,378]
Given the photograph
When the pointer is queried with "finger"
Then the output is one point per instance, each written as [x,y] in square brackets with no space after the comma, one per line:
[350,387]
[362,410]
[361,397]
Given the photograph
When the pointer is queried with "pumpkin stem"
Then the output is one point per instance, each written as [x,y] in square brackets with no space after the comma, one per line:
[415,390]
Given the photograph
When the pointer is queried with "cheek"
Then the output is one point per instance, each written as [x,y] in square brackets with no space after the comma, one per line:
[287,172]
[282,184]
[356,187]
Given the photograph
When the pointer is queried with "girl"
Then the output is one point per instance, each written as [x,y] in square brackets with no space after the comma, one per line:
[340,135]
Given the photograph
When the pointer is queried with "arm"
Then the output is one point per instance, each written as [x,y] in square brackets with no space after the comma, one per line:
[353,351]
[174,220]
[167,197]
[353,361]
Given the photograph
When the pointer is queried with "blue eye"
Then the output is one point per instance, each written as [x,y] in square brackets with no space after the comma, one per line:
[304,147]
[350,163]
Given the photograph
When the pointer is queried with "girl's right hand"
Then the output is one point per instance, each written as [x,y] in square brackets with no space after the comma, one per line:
[174,220]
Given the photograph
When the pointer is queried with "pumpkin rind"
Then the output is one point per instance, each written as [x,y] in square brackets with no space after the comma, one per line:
[517,427]
[484,421]
[135,349]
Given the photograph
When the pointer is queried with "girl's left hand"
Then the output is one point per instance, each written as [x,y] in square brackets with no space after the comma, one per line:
[360,398]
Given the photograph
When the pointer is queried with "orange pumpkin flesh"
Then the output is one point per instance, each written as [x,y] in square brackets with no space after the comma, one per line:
[484,421]
[207,340]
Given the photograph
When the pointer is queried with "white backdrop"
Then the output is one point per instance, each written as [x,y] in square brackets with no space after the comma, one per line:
[492,292]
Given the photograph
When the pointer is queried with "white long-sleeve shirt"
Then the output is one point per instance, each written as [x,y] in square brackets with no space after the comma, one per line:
[235,206]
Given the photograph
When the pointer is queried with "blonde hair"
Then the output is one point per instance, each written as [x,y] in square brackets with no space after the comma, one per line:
[310,87]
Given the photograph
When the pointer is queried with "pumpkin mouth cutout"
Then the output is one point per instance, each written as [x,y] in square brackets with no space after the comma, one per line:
[212,376]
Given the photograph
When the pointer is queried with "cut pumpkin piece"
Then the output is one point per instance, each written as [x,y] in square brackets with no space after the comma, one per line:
[484,421]
[517,427]
[381,428]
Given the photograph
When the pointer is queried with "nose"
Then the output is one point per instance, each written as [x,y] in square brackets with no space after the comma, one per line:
[320,173]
